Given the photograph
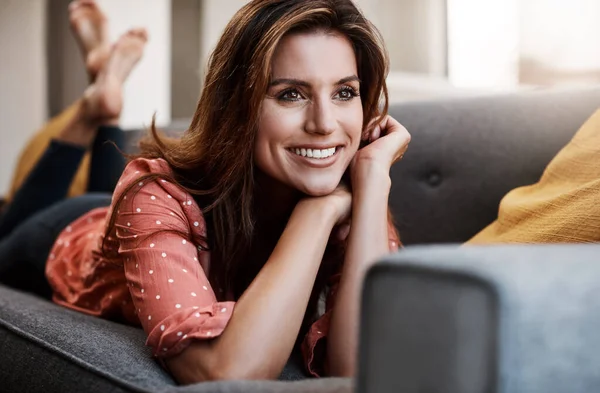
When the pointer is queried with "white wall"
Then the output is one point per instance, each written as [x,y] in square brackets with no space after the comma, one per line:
[564,34]
[560,41]
[22,79]
[510,44]
[483,43]
[414,32]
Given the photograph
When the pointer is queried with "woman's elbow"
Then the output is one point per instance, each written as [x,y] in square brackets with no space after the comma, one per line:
[240,373]
[232,370]
[205,361]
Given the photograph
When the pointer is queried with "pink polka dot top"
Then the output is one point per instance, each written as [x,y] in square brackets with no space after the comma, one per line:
[154,278]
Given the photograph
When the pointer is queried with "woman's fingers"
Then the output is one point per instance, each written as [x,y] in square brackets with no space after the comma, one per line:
[388,139]
[397,137]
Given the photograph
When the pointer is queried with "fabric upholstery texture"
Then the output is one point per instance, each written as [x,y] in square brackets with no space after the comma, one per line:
[55,349]
[548,303]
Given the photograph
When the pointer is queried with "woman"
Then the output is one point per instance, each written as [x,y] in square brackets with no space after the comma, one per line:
[221,243]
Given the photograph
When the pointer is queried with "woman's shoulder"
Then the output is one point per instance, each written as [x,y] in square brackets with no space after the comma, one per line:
[140,167]
[148,185]
[144,175]
[151,175]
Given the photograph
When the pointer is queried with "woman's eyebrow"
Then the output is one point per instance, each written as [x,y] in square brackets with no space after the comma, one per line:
[299,82]
[351,78]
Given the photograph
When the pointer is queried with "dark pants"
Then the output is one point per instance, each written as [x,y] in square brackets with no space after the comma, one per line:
[39,210]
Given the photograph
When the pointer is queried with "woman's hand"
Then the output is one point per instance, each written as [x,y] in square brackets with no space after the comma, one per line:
[337,205]
[388,141]
[341,200]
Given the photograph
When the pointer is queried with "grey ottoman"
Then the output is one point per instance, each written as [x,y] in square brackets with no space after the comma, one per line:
[507,319]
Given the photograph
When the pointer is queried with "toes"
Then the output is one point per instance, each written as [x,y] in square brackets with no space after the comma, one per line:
[82,4]
[74,5]
[79,7]
[139,32]
[75,9]
[89,3]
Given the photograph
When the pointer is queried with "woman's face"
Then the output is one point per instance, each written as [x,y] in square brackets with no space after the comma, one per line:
[311,117]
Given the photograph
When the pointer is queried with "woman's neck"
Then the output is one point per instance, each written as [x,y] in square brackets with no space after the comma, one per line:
[274,201]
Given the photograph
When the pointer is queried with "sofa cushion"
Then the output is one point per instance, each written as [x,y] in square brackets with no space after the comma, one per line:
[45,347]
[538,305]
[467,153]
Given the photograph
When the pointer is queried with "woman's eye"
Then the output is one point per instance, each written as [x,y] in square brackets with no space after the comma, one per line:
[290,95]
[346,94]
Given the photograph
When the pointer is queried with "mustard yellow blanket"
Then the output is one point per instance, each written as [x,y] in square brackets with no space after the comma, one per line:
[36,147]
[563,206]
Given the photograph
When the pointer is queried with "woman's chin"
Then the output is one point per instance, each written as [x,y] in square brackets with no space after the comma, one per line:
[319,190]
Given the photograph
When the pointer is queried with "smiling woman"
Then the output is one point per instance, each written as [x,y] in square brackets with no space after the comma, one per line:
[221,243]
[311,118]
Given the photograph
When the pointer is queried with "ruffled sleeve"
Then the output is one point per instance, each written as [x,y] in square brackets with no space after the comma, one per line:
[161,232]
[314,345]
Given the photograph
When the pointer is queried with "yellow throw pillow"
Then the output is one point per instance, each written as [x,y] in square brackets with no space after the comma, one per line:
[563,206]
[35,149]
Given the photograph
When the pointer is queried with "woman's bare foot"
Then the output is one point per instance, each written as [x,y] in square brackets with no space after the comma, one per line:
[90,28]
[103,100]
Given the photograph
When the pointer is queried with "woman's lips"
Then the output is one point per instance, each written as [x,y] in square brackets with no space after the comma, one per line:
[317,158]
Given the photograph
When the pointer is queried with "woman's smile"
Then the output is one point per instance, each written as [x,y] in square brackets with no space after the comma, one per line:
[316,157]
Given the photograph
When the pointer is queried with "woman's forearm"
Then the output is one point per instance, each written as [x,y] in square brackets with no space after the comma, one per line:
[367,241]
[266,320]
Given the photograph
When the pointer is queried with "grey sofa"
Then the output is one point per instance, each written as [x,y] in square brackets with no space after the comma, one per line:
[464,156]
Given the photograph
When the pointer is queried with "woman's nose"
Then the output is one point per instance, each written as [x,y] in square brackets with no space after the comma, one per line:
[320,118]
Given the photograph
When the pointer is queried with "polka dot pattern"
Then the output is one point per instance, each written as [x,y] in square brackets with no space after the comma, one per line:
[164,284]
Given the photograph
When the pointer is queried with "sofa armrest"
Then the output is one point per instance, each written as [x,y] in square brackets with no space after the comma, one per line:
[482,319]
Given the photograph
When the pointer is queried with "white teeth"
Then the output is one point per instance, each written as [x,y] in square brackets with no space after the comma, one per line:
[314,153]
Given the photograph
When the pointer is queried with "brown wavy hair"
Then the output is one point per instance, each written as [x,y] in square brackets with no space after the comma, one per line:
[213,159]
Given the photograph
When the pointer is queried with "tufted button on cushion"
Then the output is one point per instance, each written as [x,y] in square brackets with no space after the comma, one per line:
[434,179]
